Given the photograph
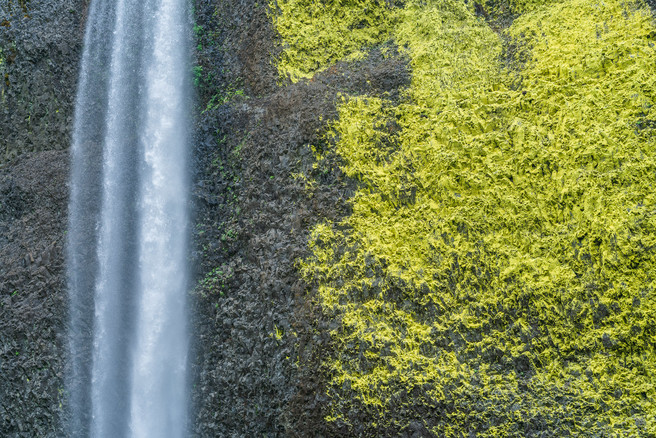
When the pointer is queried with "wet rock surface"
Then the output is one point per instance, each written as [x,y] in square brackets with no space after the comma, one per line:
[261,336]
[33,197]
[258,334]
[40,46]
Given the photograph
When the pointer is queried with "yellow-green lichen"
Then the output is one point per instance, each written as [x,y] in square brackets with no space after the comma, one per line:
[318,33]
[497,273]
[523,6]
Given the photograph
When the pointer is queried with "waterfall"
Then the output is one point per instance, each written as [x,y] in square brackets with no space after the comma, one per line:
[128,221]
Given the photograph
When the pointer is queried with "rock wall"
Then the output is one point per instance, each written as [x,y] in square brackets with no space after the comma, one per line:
[254,326]
[40,43]
[495,276]
[40,46]
[259,333]
[33,198]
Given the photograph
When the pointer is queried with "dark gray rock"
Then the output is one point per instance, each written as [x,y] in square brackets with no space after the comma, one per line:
[33,198]
[259,338]
[40,45]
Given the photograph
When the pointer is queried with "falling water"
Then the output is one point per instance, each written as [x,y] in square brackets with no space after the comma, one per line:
[127,235]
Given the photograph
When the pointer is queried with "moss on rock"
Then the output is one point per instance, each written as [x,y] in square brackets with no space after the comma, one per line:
[496,276]
[317,34]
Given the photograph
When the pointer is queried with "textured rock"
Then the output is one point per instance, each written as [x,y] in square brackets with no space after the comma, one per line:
[258,336]
[32,294]
[40,45]
[40,42]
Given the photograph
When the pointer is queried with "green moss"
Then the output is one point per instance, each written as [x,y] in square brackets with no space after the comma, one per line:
[523,6]
[497,272]
[319,33]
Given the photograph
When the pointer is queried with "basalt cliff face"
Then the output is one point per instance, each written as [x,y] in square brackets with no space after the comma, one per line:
[324,301]
[261,335]
[252,219]
[40,46]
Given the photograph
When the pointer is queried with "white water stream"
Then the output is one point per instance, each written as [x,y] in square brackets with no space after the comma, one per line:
[128,221]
